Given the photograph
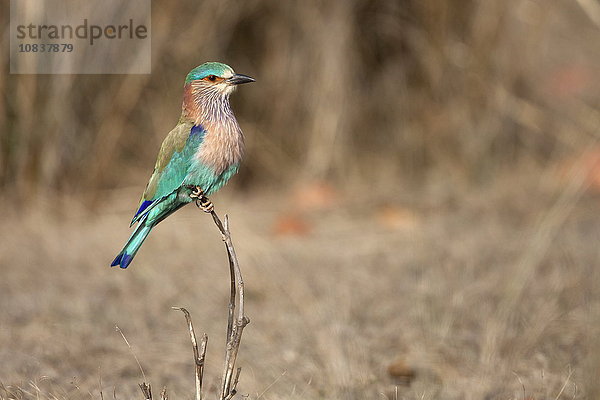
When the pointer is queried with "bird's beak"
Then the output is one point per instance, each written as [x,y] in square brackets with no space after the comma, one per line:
[238,79]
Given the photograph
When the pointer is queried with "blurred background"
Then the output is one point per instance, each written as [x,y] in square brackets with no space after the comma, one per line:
[417,213]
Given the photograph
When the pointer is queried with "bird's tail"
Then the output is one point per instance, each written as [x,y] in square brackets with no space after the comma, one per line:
[123,259]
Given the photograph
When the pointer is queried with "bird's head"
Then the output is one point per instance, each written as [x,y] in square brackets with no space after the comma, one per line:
[214,78]
[207,89]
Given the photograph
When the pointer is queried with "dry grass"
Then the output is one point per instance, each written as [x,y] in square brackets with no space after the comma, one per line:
[457,246]
[446,293]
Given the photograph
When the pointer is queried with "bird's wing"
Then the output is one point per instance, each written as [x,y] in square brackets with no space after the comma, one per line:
[174,159]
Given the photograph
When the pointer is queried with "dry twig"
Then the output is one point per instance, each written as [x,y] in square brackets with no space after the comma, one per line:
[236,321]
[199,355]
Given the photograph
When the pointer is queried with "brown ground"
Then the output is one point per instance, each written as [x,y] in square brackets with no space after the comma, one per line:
[482,294]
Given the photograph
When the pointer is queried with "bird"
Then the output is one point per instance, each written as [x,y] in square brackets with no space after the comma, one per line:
[196,158]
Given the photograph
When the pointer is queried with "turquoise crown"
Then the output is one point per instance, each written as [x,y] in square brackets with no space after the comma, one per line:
[209,68]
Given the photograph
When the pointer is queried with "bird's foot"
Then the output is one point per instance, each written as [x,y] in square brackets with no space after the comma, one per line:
[205,204]
[202,202]
[197,193]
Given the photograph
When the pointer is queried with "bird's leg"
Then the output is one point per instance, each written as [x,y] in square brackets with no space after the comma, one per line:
[205,204]
[202,202]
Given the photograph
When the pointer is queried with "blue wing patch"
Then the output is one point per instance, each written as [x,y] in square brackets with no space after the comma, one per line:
[144,205]
[197,130]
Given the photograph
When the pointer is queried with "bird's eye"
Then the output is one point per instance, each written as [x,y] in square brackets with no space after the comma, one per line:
[212,78]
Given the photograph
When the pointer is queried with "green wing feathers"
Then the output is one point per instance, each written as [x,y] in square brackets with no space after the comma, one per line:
[172,164]
[173,161]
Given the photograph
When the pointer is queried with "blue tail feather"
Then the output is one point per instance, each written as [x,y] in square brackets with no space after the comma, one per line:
[124,258]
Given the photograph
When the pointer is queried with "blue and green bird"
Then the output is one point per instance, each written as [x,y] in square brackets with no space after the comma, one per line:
[197,157]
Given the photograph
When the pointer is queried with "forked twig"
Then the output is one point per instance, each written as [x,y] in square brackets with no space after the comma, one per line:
[199,355]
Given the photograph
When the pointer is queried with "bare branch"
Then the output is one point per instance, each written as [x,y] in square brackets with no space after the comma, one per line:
[235,322]
[199,355]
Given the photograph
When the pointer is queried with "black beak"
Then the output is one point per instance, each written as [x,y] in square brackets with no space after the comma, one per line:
[238,79]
